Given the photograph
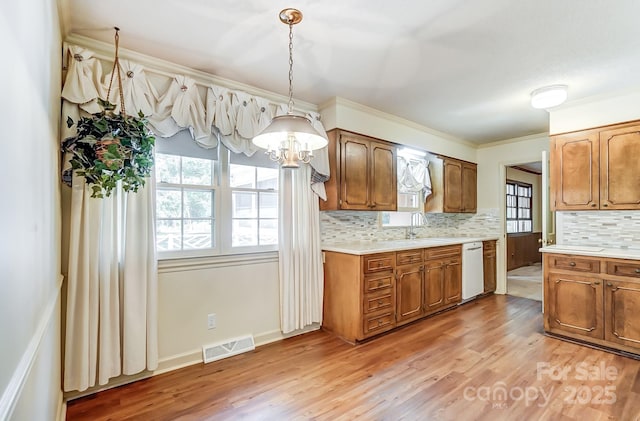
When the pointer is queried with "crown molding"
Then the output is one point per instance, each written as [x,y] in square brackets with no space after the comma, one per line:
[514,140]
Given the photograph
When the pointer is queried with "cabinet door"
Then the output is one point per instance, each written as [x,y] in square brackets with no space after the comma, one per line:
[489,269]
[469,187]
[622,312]
[619,168]
[383,182]
[409,292]
[354,172]
[575,304]
[434,286]
[574,174]
[453,281]
[452,186]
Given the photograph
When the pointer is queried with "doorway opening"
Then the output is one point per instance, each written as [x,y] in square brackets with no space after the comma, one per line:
[523,187]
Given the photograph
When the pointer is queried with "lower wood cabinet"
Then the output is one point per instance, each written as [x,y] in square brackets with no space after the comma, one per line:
[593,299]
[489,265]
[371,294]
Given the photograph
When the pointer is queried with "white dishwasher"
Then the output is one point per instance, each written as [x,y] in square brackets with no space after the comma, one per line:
[472,272]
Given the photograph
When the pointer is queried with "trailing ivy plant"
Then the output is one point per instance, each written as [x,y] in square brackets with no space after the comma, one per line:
[110,147]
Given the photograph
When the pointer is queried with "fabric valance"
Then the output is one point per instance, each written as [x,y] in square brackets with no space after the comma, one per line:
[211,113]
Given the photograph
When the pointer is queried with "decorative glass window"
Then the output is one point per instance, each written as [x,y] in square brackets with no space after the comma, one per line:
[519,203]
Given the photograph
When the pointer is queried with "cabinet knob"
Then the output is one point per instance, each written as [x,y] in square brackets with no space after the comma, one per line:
[605,205]
[596,283]
[593,205]
[380,302]
[638,270]
[609,284]
[379,322]
[572,263]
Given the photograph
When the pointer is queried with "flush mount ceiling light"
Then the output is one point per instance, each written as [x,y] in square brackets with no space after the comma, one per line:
[549,96]
[290,138]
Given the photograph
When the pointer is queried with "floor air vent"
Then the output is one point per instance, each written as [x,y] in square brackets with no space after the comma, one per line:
[226,349]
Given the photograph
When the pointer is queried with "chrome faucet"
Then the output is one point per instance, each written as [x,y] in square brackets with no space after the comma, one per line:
[411,234]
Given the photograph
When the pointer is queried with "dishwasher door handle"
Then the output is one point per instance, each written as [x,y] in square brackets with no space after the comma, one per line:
[475,248]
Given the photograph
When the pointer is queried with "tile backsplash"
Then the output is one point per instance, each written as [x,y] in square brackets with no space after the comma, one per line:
[610,229]
[341,226]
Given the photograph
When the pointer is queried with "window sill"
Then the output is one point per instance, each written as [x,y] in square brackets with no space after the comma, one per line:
[211,262]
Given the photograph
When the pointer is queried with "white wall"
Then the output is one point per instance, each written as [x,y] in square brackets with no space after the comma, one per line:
[244,296]
[536,201]
[30,216]
[595,112]
[492,162]
[359,118]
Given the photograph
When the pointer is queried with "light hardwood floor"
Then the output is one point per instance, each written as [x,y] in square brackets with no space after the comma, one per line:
[453,366]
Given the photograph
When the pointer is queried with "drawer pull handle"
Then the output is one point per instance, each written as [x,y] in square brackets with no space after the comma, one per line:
[380,302]
[596,283]
[593,205]
[605,205]
[572,263]
[638,270]
[379,322]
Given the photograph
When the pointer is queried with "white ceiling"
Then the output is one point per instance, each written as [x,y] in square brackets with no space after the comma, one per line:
[462,67]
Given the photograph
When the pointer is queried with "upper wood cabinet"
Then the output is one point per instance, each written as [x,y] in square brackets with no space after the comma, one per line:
[454,186]
[363,173]
[596,169]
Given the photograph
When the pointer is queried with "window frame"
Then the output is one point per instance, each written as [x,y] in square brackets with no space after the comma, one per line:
[222,213]
[518,206]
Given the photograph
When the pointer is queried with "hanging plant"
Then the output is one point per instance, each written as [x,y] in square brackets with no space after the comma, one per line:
[110,147]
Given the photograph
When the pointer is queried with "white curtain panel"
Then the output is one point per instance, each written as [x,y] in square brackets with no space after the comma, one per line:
[300,253]
[111,287]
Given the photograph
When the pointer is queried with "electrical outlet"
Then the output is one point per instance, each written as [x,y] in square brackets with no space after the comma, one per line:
[211,321]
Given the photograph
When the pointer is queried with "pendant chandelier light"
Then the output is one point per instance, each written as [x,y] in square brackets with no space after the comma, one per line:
[290,138]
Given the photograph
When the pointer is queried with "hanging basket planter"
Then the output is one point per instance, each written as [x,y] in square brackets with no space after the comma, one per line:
[111,147]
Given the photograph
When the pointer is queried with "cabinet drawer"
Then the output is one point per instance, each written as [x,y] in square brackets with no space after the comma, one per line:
[623,268]
[378,262]
[488,246]
[378,322]
[440,252]
[576,264]
[377,283]
[408,256]
[378,301]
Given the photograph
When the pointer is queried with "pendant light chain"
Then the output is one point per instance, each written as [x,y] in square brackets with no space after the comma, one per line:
[290,67]
[116,69]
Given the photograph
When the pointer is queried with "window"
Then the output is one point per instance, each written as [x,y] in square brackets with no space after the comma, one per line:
[212,201]
[519,216]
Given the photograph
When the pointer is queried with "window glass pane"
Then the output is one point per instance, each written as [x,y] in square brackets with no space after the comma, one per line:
[244,204]
[167,168]
[512,226]
[197,234]
[244,232]
[268,205]
[168,235]
[268,231]
[242,176]
[197,171]
[198,204]
[267,178]
[168,203]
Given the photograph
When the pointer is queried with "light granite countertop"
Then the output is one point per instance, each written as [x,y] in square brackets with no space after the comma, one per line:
[593,251]
[369,247]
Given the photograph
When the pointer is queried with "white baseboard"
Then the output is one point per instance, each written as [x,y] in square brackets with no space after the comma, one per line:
[185,359]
